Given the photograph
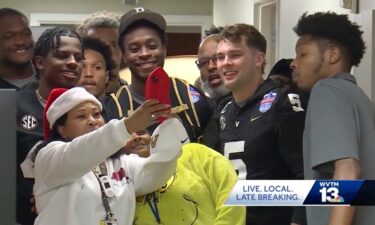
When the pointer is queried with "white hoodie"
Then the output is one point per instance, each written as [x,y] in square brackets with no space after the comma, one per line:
[68,193]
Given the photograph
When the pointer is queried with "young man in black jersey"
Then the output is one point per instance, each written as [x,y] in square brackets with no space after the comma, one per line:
[261,126]
[58,61]
[143,44]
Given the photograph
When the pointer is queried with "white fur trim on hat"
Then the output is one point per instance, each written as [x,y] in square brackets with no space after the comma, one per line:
[68,100]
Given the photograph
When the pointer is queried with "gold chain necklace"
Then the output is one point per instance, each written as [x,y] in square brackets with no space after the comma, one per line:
[41,100]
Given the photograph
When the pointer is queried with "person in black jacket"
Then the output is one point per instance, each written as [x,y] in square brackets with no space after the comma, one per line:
[261,126]
[58,60]
[143,44]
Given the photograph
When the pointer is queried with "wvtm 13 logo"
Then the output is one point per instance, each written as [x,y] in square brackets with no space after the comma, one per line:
[329,192]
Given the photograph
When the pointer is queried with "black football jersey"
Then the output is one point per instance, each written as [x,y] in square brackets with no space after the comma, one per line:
[29,132]
[263,139]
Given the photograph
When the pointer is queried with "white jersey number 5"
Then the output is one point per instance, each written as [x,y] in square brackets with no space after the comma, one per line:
[296,102]
[238,164]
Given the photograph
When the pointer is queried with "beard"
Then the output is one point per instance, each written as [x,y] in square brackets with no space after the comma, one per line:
[214,93]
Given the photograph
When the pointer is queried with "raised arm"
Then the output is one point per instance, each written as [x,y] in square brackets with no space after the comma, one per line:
[62,162]
[166,144]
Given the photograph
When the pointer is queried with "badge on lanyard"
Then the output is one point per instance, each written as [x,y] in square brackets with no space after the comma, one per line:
[108,222]
[106,184]
[107,192]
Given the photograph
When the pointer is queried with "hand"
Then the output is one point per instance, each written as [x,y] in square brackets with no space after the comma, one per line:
[146,114]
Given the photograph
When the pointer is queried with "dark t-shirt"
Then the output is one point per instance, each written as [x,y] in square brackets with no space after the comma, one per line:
[212,131]
[17,84]
[29,132]
[6,85]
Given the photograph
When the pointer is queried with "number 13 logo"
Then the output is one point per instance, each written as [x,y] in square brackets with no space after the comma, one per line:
[330,194]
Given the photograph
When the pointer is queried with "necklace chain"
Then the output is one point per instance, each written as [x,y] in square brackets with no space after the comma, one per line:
[40,98]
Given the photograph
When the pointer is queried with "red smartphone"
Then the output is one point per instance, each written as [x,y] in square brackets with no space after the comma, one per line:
[157,87]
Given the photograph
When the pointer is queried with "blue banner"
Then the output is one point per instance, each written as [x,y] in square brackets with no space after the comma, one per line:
[333,192]
[302,193]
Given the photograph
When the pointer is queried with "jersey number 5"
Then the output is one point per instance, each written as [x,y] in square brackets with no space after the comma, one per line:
[238,164]
[296,102]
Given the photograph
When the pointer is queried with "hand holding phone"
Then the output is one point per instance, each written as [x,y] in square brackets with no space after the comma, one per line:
[157,87]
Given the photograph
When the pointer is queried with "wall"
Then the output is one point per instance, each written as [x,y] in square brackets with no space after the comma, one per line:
[232,11]
[365,5]
[225,12]
[364,72]
[191,7]
[177,13]
[288,17]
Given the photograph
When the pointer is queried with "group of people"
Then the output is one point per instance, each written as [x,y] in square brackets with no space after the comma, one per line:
[98,154]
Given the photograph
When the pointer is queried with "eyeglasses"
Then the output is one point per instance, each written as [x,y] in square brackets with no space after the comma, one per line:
[203,63]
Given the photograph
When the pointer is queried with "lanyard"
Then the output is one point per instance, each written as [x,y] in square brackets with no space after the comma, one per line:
[153,206]
[100,173]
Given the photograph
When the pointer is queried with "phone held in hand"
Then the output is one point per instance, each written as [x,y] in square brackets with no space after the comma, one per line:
[157,87]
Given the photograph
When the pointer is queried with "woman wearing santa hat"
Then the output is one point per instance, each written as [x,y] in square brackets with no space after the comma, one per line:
[78,177]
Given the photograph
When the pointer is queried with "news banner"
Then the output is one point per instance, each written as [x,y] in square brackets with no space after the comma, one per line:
[302,193]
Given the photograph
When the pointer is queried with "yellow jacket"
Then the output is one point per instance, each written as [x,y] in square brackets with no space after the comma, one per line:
[195,194]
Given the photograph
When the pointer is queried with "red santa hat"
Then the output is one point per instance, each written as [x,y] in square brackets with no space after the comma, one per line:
[61,101]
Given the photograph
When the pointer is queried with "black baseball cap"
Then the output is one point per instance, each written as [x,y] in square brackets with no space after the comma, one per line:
[140,13]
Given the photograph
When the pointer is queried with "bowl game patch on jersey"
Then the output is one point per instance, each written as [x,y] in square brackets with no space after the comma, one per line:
[267,101]
[194,94]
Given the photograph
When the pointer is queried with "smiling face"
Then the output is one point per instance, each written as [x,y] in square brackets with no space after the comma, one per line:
[81,119]
[143,52]
[62,66]
[16,41]
[94,75]
[310,64]
[238,64]
[139,144]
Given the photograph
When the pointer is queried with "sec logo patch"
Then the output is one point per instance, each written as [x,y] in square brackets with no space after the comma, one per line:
[29,122]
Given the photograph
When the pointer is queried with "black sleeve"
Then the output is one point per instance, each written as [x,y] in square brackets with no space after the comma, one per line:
[116,106]
[110,109]
[205,107]
[290,126]
[211,135]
